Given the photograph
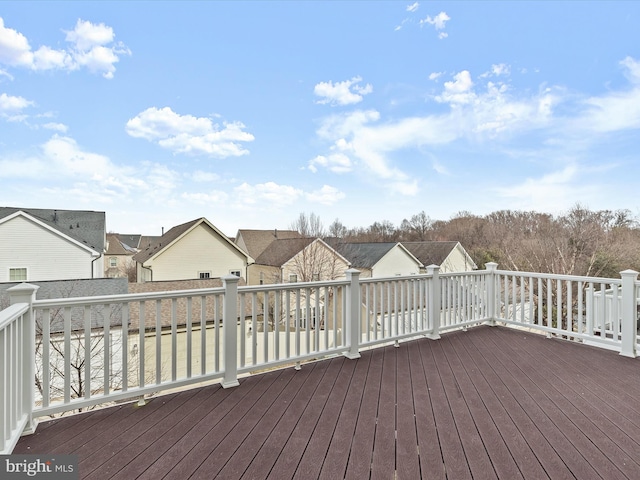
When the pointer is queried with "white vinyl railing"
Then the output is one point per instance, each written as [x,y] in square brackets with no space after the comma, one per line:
[16,368]
[95,350]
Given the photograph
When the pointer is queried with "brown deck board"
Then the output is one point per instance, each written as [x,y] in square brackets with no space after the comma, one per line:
[491,402]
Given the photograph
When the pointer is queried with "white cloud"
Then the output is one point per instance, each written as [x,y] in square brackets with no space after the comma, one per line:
[214,197]
[552,192]
[201,176]
[478,112]
[336,163]
[615,110]
[459,90]
[435,75]
[500,69]
[413,7]
[267,195]
[439,22]
[327,195]
[9,103]
[91,46]
[59,127]
[342,93]
[189,134]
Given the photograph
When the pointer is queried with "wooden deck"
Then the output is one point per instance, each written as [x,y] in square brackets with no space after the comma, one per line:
[491,402]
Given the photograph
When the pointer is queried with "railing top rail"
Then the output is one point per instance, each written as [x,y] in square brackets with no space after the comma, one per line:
[290,286]
[556,276]
[170,294]
[10,313]
[395,278]
[125,297]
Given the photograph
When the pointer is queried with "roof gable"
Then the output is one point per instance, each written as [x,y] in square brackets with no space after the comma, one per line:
[160,244]
[86,228]
[55,231]
[255,242]
[435,253]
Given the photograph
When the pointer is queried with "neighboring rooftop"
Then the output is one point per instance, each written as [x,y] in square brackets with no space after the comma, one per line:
[430,252]
[87,227]
[363,255]
[254,242]
[278,252]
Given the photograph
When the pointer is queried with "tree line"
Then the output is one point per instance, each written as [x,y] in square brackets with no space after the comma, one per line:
[579,242]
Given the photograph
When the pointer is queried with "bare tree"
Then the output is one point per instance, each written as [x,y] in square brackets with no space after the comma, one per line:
[309,225]
[417,228]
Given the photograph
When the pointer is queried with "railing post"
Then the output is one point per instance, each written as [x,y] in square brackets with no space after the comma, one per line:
[491,268]
[352,325]
[230,325]
[26,293]
[629,313]
[434,302]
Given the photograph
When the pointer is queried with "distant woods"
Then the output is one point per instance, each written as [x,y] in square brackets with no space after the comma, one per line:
[579,242]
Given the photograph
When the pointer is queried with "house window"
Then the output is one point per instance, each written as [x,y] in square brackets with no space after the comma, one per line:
[17,274]
[315,277]
[113,262]
[204,275]
[293,278]
[235,272]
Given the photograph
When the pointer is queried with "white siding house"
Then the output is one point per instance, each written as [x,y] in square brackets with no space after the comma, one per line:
[35,248]
[196,249]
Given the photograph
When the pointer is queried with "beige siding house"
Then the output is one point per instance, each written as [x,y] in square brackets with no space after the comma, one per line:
[196,249]
[297,260]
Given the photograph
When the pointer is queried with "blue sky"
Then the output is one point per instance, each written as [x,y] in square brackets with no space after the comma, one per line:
[249,113]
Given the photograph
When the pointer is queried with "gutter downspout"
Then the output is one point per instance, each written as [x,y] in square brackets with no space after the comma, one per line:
[148,268]
[93,265]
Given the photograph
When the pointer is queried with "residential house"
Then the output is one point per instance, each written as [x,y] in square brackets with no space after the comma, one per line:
[196,249]
[119,258]
[450,256]
[380,259]
[46,244]
[301,259]
[254,242]
[297,260]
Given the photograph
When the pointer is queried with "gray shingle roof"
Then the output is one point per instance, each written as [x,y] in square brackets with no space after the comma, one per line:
[430,253]
[363,255]
[86,227]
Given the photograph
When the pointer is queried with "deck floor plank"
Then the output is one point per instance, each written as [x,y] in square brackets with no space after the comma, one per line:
[407,455]
[580,454]
[316,452]
[431,461]
[491,402]
[337,458]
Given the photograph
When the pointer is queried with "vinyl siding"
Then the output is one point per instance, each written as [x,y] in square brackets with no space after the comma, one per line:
[395,262]
[456,261]
[45,254]
[199,250]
